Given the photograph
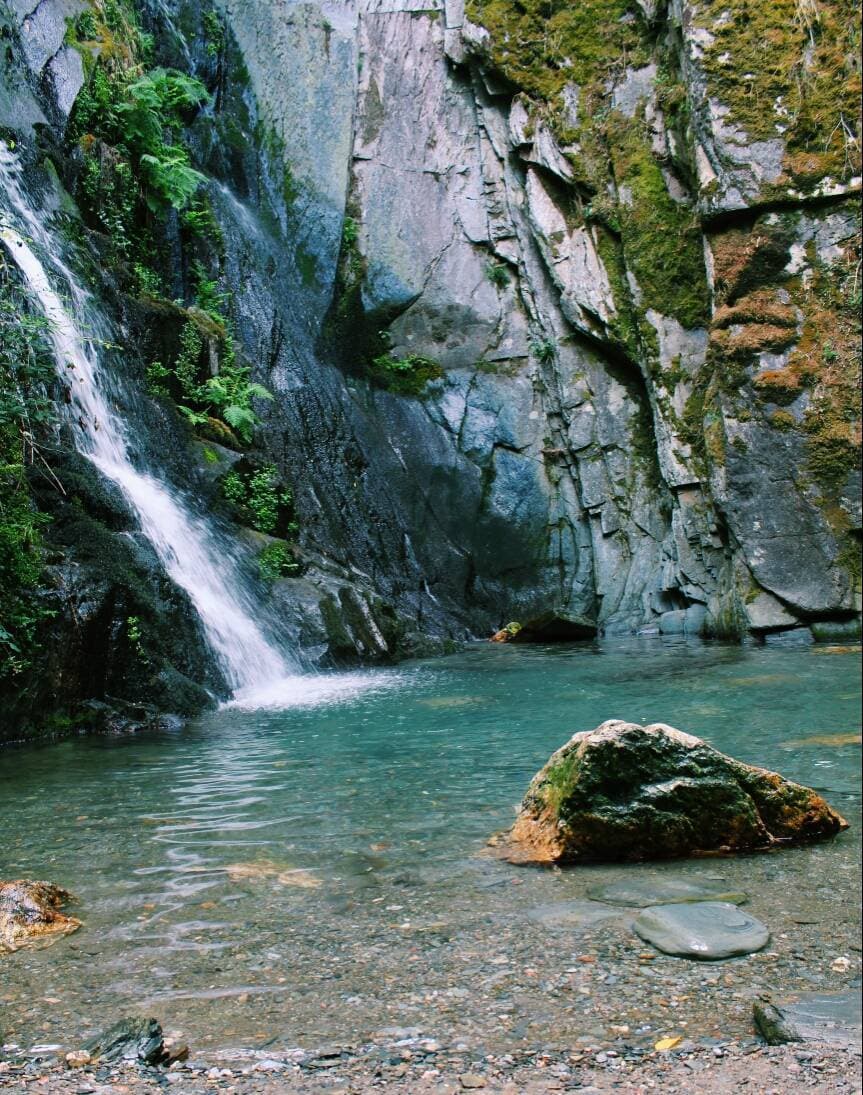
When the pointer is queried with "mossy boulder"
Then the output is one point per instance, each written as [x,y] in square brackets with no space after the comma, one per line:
[630,792]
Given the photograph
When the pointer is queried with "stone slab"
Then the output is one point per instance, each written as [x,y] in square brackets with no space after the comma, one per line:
[704,931]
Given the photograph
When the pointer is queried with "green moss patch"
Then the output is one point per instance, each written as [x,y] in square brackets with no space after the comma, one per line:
[543,45]
[406,375]
[661,237]
[790,69]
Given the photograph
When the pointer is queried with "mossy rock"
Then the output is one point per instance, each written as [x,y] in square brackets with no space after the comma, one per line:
[630,792]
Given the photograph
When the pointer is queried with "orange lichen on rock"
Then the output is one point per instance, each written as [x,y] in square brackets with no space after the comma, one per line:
[746,341]
[762,306]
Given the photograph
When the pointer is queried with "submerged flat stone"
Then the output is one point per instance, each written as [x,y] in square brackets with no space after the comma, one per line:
[706,930]
[642,892]
[831,1017]
[572,914]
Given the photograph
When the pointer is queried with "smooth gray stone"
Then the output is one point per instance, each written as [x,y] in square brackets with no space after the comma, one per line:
[832,1017]
[572,914]
[642,892]
[704,930]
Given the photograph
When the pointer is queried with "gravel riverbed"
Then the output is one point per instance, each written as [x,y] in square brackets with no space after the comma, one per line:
[446,1070]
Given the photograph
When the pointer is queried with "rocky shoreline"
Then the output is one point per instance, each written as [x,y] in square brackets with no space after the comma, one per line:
[420,1065]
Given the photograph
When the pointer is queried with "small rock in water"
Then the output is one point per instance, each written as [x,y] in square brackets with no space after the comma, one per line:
[571,914]
[832,1017]
[78,1058]
[702,930]
[130,1040]
[472,1080]
[30,914]
[642,892]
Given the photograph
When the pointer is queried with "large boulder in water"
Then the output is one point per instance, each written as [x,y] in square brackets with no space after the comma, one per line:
[30,914]
[629,792]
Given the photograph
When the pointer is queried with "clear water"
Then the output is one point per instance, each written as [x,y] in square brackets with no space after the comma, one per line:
[318,873]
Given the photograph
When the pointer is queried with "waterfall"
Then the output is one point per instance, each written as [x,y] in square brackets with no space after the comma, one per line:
[193,556]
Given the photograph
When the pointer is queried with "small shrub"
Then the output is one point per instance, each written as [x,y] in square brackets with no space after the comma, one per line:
[214,33]
[26,372]
[135,635]
[497,274]
[198,219]
[350,231]
[264,499]
[260,499]
[276,561]
[149,282]
[157,380]
[234,488]
[544,350]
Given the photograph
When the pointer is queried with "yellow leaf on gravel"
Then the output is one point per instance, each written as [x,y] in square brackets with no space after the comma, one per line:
[668,1043]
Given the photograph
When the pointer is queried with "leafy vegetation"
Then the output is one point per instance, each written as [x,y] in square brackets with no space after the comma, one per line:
[497,274]
[26,371]
[220,405]
[126,125]
[260,499]
[544,350]
[214,32]
[277,561]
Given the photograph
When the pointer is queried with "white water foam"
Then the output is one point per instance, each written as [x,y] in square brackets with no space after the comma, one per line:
[316,690]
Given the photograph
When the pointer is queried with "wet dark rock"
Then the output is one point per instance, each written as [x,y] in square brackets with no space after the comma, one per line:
[630,792]
[550,627]
[120,644]
[831,1017]
[130,1039]
[30,914]
[704,930]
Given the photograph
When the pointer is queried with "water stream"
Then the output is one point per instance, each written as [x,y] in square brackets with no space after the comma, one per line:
[195,558]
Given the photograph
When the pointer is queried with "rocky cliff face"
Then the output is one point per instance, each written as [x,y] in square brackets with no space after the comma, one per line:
[558,302]
[629,238]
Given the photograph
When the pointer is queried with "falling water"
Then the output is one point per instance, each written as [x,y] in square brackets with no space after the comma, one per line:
[189,551]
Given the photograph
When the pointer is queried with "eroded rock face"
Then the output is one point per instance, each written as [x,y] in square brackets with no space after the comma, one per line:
[30,914]
[633,270]
[631,347]
[630,792]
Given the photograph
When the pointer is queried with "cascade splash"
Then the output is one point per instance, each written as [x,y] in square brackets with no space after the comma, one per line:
[192,555]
